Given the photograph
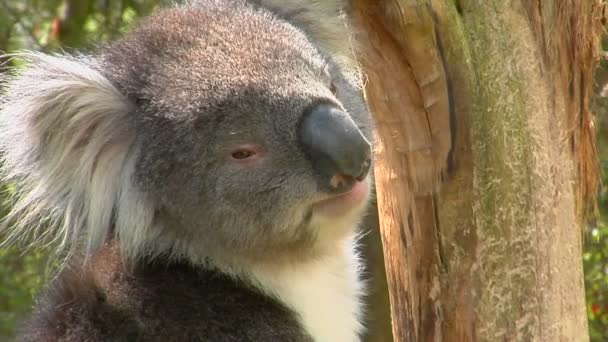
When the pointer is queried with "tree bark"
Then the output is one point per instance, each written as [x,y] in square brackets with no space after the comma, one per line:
[486,162]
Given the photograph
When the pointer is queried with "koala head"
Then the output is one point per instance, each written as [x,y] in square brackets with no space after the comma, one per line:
[216,130]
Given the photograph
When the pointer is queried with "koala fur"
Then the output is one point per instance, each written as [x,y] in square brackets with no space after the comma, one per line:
[122,160]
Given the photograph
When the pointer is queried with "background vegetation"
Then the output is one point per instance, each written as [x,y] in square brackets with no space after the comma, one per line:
[595,257]
[51,25]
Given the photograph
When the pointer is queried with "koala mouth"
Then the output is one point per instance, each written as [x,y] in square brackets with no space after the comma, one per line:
[344,203]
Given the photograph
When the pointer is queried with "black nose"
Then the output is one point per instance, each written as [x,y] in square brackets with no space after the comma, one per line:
[338,150]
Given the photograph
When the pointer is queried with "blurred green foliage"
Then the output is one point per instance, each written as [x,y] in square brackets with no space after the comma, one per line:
[21,276]
[48,25]
[595,257]
[595,261]
[53,24]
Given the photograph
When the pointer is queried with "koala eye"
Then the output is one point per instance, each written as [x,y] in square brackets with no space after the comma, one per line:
[246,152]
[242,154]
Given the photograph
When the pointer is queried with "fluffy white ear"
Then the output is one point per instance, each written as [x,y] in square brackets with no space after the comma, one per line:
[68,149]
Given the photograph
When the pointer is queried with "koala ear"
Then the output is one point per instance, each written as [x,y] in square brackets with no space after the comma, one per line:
[68,149]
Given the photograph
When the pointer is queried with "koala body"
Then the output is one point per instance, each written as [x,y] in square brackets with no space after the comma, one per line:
[206,174]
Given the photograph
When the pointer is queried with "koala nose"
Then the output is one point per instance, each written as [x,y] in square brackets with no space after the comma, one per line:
[339,152]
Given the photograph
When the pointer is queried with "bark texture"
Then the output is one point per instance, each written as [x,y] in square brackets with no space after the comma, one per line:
[485,162]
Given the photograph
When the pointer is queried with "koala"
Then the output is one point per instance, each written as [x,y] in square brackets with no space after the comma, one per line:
[203,177]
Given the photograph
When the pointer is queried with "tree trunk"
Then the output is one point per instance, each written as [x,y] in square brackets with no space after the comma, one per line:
[485,162]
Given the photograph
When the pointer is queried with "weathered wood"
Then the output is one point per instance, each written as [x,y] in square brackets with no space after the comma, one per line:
[485,163]
[407,92]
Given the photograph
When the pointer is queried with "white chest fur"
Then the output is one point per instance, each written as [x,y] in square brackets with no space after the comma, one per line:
[324,293]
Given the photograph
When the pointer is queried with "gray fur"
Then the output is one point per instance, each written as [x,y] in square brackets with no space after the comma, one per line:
[132,144]
[148,139]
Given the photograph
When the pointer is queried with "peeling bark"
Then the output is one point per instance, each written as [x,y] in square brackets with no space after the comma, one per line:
[486,163]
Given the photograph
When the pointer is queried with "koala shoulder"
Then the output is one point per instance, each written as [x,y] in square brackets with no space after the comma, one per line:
[156,303]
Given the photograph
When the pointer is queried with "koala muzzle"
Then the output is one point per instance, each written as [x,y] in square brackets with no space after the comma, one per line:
[339,152]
